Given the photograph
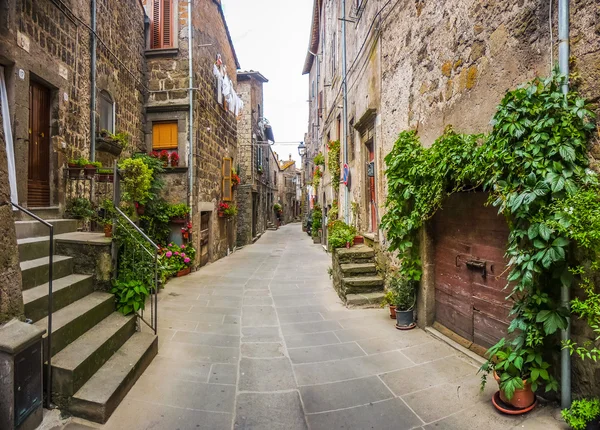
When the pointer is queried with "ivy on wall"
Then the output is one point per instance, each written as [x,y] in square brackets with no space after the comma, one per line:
[333,164]
[534,165]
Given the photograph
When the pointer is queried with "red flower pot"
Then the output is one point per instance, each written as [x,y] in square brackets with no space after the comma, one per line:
[393,312]
[184,272]
[74,171]
[89,170]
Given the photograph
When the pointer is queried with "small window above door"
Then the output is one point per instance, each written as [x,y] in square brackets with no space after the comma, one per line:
[107,112]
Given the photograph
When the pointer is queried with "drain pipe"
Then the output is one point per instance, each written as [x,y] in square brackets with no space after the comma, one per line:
[563,62]
[93,85]
[345,109]
[191,115]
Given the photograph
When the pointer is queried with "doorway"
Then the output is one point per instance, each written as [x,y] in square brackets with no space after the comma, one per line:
[38,181]
[204,237]
[371,192]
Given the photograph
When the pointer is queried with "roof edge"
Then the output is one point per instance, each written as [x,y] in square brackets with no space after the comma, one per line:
[313,44]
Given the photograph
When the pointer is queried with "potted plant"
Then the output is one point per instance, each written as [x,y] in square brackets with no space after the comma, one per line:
[164,157]
[319,159]
[317,223]
[260,170]
[178,259]
[80,208]
[178,213]
[174,157]
[90,168]
[137,181]
[403,295]
[154,154]
[235,179]
[226,210]
[518,370]
[583,414]
[105,175]
[106,216]
[390,299]
[186,231]
[111,143]
[277,208]
[76,166]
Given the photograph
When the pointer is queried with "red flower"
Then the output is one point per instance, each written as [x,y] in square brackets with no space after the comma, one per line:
[174,157]
[164,155]
[154,154]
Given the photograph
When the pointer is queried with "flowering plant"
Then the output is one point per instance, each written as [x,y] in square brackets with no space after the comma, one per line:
[174,159]
[164,156]
[176,257]
[235,179]
[227,210]
[186,231]
[154,154]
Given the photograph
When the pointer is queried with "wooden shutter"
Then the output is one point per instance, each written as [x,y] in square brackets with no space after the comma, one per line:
[162,24]
[227,192]
[164,135]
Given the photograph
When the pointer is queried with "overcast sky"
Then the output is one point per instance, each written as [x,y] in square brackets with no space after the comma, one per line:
[271,36]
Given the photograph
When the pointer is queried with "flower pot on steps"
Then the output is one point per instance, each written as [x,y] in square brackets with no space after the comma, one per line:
[405,320]
[184,272]
[521,399]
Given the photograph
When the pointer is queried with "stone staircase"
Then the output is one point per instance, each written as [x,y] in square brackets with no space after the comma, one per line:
[97,354]
[271,226]
[355,277]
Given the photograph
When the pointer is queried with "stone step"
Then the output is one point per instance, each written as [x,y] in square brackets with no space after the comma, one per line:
[358,269]
[50,212]
[74,320]
[362,284]
[356,254]
[64,292]
[368,300]
[34,228]
[100,396]
[35,272]
[76,364]
[32,248]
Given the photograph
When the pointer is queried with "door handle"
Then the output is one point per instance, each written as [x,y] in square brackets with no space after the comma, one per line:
[478,265]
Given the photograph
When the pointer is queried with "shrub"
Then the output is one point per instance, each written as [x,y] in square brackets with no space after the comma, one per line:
[317,222]
[130,295]
[137,180]
[339,234]
[80,208]
[581,413]
[402,292]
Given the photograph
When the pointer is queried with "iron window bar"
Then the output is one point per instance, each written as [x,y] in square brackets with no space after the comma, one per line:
[50,303]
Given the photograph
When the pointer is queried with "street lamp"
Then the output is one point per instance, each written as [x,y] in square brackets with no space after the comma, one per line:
[302,149]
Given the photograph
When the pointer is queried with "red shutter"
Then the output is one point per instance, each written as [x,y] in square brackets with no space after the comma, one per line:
[167,6]
[156,24]
[162,24]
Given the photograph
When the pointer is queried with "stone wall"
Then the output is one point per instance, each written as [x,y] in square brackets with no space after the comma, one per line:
[11,300]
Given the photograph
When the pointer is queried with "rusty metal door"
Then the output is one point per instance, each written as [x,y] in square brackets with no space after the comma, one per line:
[38,185]
[470,241]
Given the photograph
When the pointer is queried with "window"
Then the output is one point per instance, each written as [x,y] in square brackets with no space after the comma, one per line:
[227,192]
[162,24]
[164,135]
[107,112]
[351,149]
[333,54]
[275,177]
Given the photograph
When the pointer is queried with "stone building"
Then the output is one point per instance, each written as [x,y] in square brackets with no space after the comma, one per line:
[287,184]
[255,192]
[214,126]
[423,66]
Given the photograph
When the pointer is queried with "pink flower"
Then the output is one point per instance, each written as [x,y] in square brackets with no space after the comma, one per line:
[169,254]
[176,253]
[183,254]
[182,246]
[187,260]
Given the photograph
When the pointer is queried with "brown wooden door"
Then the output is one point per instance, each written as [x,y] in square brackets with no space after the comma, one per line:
[38,186]
[204,237]
[470,237]
[372,193]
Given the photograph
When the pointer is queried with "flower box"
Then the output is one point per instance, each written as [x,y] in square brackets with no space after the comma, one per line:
[184,272]
[106,144]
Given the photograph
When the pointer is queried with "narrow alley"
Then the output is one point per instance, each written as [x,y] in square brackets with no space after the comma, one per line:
[260,340]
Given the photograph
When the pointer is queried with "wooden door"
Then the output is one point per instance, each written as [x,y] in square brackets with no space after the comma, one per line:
[204,237]
[372,196]
[470,241]
[38,185]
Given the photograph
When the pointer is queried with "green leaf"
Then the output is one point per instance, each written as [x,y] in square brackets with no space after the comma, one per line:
[560,241]
[533,231]
[552,321]
[558,185]
[567,153]
[545,232]
[535,373]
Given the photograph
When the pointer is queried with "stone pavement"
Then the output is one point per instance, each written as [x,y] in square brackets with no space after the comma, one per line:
[260,340]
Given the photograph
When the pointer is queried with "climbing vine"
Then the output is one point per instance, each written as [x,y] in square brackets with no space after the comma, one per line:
[534,165]
[333,164]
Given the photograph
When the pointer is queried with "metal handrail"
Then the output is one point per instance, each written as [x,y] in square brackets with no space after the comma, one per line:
[50,301]
[153,324]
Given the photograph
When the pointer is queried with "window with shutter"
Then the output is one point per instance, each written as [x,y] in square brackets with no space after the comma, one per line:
[227,191]
[164,135]
[162,24]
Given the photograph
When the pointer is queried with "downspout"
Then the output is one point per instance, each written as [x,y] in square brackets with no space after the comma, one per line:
[191,115]
[345,108]
[563,62]
[93,87]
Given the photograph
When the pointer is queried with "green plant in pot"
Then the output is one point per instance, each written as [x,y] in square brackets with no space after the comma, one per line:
[340,234]
[80,208]
[583,414]
[404,298]
[390,300]
[137,181]
[317,223]
[76,166]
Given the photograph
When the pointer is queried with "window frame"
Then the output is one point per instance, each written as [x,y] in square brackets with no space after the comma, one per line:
[173,24]
[174,123]
[106,99]
[227,184]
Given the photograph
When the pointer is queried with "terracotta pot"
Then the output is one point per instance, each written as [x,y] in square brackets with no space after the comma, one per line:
[184,272]
[74,171]
[359,240]
[89,170]
[393,312]
[522,399]
[178,220]
[221,214]
[107,230]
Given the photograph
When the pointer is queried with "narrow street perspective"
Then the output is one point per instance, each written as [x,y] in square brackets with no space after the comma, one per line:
[318,214]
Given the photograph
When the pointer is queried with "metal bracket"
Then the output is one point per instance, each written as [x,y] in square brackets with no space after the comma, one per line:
[478,265]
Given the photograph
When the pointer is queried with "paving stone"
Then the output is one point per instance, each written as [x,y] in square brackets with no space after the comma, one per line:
[195,315]
[390,414]
[203,353]
[397,340]
[479,416]
[262,350]
[257,293]
[310,327]
[339,395]
[427,375]
[272,374]
[186,370]
[206,339]
[257,301]
[286,318]
[184,394]
[224,329]
[173,324]
[273,411]
[311,339]
[302,309]
[223,374]
[261,334]
[232,319]
[315,354]
[257,316]
[429,351]
[350,368]
[134,414]
[233,310]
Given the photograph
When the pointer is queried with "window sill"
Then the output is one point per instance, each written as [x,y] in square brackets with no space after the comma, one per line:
[161,52]
[174,170]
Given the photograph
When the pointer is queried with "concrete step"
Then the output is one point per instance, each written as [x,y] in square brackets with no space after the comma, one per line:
[64,292]
[74,320]
[368,300]
[50,212]
[356,254]
[358,269]
[34,228]
[32,248]
[76,364]
[35,272]
[100,396]
[362,284]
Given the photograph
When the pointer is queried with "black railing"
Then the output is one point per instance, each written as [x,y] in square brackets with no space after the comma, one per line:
[50,304]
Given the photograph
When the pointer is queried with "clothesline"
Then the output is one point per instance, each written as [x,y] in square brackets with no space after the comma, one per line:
[225,91]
